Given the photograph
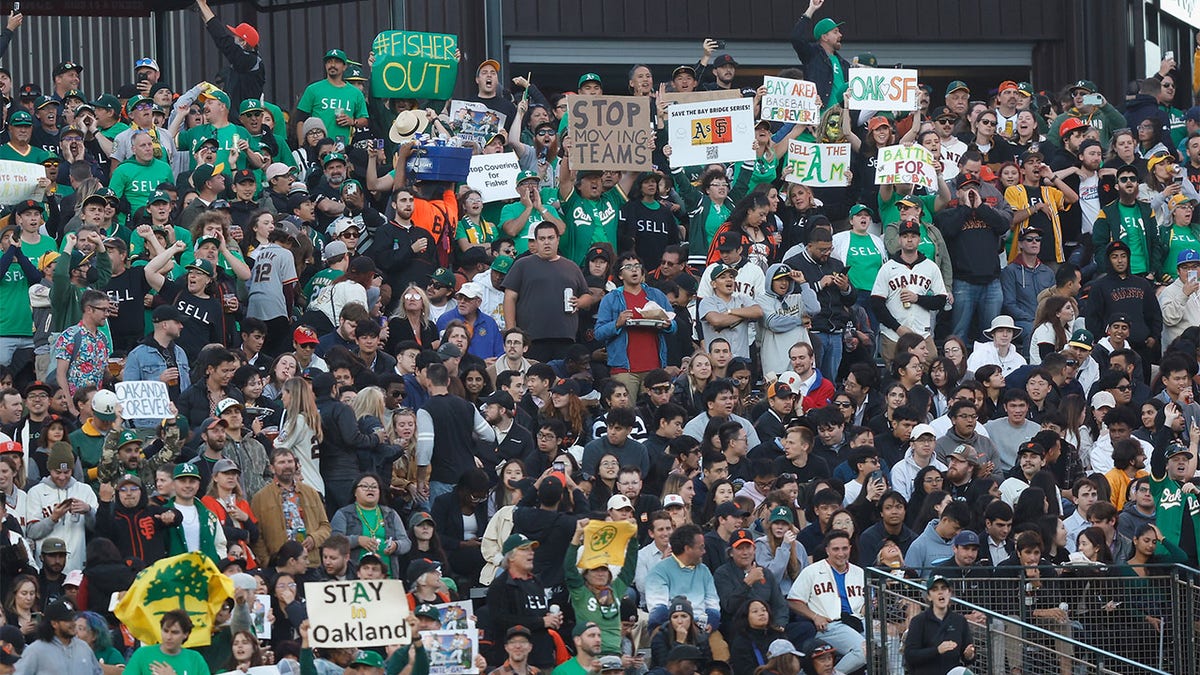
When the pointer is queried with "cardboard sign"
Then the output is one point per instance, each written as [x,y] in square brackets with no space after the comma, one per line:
[883,89]
[414,65]
[475,121]
[18,181]
[357,613]
[819,164]
[905,164]
[495,176]
[794,101]
[711,132]
[610,133]
[144,400]
[697,96]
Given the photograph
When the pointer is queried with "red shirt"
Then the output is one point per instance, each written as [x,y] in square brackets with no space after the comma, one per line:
[643,342]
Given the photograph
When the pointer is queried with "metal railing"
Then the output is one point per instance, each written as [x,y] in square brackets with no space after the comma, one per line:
[1071,620]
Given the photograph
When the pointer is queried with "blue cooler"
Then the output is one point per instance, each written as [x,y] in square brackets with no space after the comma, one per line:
[440,163]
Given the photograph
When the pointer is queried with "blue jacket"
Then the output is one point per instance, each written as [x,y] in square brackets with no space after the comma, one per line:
[616,339]
[487,342]
[147,363]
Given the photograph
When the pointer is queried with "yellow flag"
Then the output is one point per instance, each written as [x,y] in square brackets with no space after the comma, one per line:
[189,581]
[604,543]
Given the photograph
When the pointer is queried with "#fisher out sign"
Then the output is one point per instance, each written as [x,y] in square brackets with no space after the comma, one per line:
[609,132]
[711,132]
[882,89]
[357,613]
[818,164]
[414,65]
[794,101]
[899,164]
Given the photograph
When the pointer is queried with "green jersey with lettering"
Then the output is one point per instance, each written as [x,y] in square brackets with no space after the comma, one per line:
[225,142]
[17,318]
[136,182]
[1135,237]
[514,210]
[590,221]
[1182,239]
[319,281]
[1175,508]
[863,260]
[34,155]
[323,99]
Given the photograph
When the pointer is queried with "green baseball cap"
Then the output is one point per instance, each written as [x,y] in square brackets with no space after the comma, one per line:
[1085,84]
[250,105]
[502,264]
[368,659]
[859,208]
[781,514]
[218,95]
[135,101]
[203,266]
[824,26]
[203,173]
[444,277]
[186,469]
[108,102]
[335,54]
[200,141]
[589,77]
[127,436]
[333,157]
[719,269]
[528,175]
[159,197]
[955,86]
[355,74]
[1025,88]
[20,118]
[516,541]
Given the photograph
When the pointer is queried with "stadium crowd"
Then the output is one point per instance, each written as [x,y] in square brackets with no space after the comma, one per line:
[377,375]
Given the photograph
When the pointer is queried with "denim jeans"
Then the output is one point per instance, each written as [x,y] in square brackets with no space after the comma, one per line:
[9,346]
[848,642]
[975,301]
[831,354]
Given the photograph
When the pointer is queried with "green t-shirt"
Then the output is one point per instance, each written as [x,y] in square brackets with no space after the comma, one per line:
[483,233]
[186,662]
[718,215]
[863,260]
[17,318]
[839,82]
[323,100]
[890,213]
[137,182]
[926,247]
[1135,237]
[34,251]
[34,155]
[319,281]
[571,667]
[515,209]
[224,136]
[115,130]
[1182,239]
[590,222]
[137,244]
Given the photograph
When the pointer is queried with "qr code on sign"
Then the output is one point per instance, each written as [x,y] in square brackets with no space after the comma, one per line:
[710,152]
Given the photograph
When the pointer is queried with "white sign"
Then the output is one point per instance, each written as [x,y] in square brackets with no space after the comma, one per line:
[357,613]
[899,164]
[494,176]
[18,181]
[818,164]
[711,132]
[794,101]
[882,89]
[144,400]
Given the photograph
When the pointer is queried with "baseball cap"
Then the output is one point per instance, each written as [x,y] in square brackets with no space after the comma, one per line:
[1030,446]
[471,290]
[216,95]
[779,389]
[719,269]
[227,403]
[824,26]
[909,227]
[1008,85]
[1179,200]
[246,32]
[589,77]
[186,470]
[528,175]
[965,453]
[62,610]
[782,647]
[127,436]
[618,502]
[968,180]
[419,517]
[583,627]
[444,277]
[66,66]
[741,536]
[276,170]
[449,350]
[723,60]
[501,398]
[488,62]
[104,405]
[1085,84]
[672,500]
[333,157]
[518,631]
[1083,338]
[611,662]
[1187,256]
[1025,89]
[690,70]
[201,174]
[1177,449]
[502,264]
[730,240]
[368,658]
[1103,399]
[516,541]
[956,85]
[781,514]
[726,509]
[204,267]
[304,336]
[335,54]
[965,538]
[1158,158]
[20,118]
[333,249]
[54,545]
[922,429]
[73,578]
[43,101]
[210,422]
[30,90]
[936,579]
[166,313]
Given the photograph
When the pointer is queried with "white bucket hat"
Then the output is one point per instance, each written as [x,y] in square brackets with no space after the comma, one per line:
[1003,321]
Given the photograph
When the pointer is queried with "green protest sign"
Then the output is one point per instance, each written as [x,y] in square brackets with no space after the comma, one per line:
[414,65]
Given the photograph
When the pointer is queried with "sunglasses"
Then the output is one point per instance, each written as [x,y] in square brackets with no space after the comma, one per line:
[1127,179]
[988,122]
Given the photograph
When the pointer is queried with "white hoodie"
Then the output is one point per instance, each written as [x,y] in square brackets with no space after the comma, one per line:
[71,528]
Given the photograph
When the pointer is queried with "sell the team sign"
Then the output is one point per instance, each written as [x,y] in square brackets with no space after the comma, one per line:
[357,613]
[414,65]
[609,132]
[882,89]
[819,164]
[794,101]
[494,176]
[905,164]
[711,131]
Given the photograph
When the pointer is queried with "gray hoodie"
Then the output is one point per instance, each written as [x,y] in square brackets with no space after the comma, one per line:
[782,323]
[1130,519]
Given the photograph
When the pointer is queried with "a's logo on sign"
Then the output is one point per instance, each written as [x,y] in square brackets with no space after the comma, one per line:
[711,130]
[603,537]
